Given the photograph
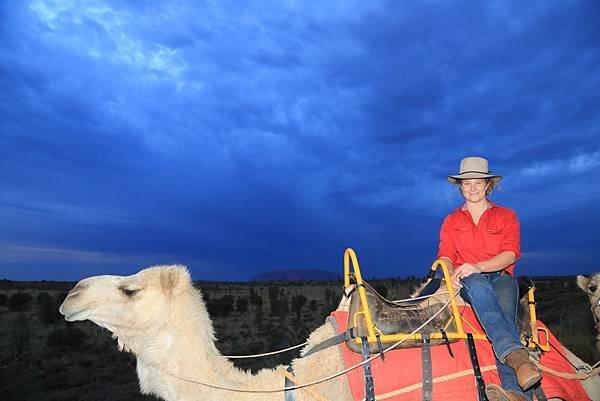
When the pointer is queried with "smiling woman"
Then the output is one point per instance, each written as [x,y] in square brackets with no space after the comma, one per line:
[480,242]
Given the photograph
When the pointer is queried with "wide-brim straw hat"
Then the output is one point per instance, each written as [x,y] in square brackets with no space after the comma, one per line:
[473,168]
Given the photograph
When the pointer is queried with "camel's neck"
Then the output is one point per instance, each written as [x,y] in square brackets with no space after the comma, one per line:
[170,360]
[187,337]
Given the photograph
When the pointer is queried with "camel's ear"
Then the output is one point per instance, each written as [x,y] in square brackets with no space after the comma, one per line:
[582,282]
[174,277]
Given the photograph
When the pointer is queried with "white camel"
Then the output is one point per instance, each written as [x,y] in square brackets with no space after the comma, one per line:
[591,286]
[159,316]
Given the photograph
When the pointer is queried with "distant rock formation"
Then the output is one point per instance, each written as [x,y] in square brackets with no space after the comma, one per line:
[296,275]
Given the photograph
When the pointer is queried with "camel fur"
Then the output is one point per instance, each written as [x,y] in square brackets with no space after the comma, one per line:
[160,317]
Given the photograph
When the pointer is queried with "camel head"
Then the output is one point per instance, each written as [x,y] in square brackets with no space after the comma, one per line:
[127,305]
[591,286]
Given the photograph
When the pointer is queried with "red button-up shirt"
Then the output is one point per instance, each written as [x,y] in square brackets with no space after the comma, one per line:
[462,241]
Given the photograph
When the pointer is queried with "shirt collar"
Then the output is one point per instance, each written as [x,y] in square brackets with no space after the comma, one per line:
[489,202]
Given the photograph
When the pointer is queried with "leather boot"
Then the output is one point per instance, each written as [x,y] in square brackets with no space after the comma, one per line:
[527,372]
[497,393]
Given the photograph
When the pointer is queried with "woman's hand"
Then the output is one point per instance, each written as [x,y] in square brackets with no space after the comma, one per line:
[464,270]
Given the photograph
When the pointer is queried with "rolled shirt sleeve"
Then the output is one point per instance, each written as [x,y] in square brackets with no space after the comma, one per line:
[446,246]
[511,239]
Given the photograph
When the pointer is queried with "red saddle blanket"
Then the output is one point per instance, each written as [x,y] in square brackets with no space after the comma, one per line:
[399,377]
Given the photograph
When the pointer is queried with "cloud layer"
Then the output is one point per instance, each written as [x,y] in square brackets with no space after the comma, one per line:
[243,137]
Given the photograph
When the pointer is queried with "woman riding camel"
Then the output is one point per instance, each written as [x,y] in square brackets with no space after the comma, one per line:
[480,242]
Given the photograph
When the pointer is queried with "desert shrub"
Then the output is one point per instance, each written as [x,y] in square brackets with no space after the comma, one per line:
[68,337]
[313,304]
[280,307]
[43,297]
[381,289]
[57,381]
[273,296]
[60,297]
[255,299]
[19,337]
[48,308]
[220,307]
[19,301]
[241,305]
[3,299]
[86,361]
[298,301]
[20,382]
[331,300]
[258,318]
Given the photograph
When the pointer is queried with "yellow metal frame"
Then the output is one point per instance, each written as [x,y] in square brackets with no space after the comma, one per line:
[352,269]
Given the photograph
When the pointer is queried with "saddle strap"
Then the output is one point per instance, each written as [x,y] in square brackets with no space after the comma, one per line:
[476,369]
[335,340]
[427,389]
[446,341]
[369,385]
[290,395]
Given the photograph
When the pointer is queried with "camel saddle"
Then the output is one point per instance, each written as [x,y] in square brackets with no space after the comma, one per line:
[392,318]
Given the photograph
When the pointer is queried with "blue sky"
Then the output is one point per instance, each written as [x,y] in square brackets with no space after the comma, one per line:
[239,137]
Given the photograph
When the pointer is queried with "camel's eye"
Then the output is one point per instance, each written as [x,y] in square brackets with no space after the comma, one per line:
[592,288]
[129,292]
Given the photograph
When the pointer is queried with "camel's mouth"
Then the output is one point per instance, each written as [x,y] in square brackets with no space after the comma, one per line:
[77,316]
[74,315]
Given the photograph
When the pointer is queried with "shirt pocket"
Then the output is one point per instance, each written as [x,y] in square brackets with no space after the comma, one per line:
[491,240]
[464,238]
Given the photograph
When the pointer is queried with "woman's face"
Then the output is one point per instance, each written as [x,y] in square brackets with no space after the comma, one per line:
[473,190]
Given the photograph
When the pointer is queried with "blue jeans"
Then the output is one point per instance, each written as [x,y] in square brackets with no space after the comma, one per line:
[495,298]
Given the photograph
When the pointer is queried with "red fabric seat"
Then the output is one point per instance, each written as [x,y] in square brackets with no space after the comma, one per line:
[402,368]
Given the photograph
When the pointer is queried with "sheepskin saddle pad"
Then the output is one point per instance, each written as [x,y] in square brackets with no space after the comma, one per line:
[403,317]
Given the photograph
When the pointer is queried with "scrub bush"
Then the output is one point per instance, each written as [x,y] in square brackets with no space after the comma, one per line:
[69,337]
[18,302]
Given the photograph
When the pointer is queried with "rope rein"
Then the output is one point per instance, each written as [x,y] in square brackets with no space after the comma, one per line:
[583,372]
[266,353]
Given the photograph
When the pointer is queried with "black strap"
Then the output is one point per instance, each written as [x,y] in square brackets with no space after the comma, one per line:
[447,341]
[330,342]
[290,395]
[427,389]
[539,394]
[380,348]
[476,370]
[369,386]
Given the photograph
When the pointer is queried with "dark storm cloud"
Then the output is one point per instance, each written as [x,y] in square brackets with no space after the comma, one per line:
[245,137]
